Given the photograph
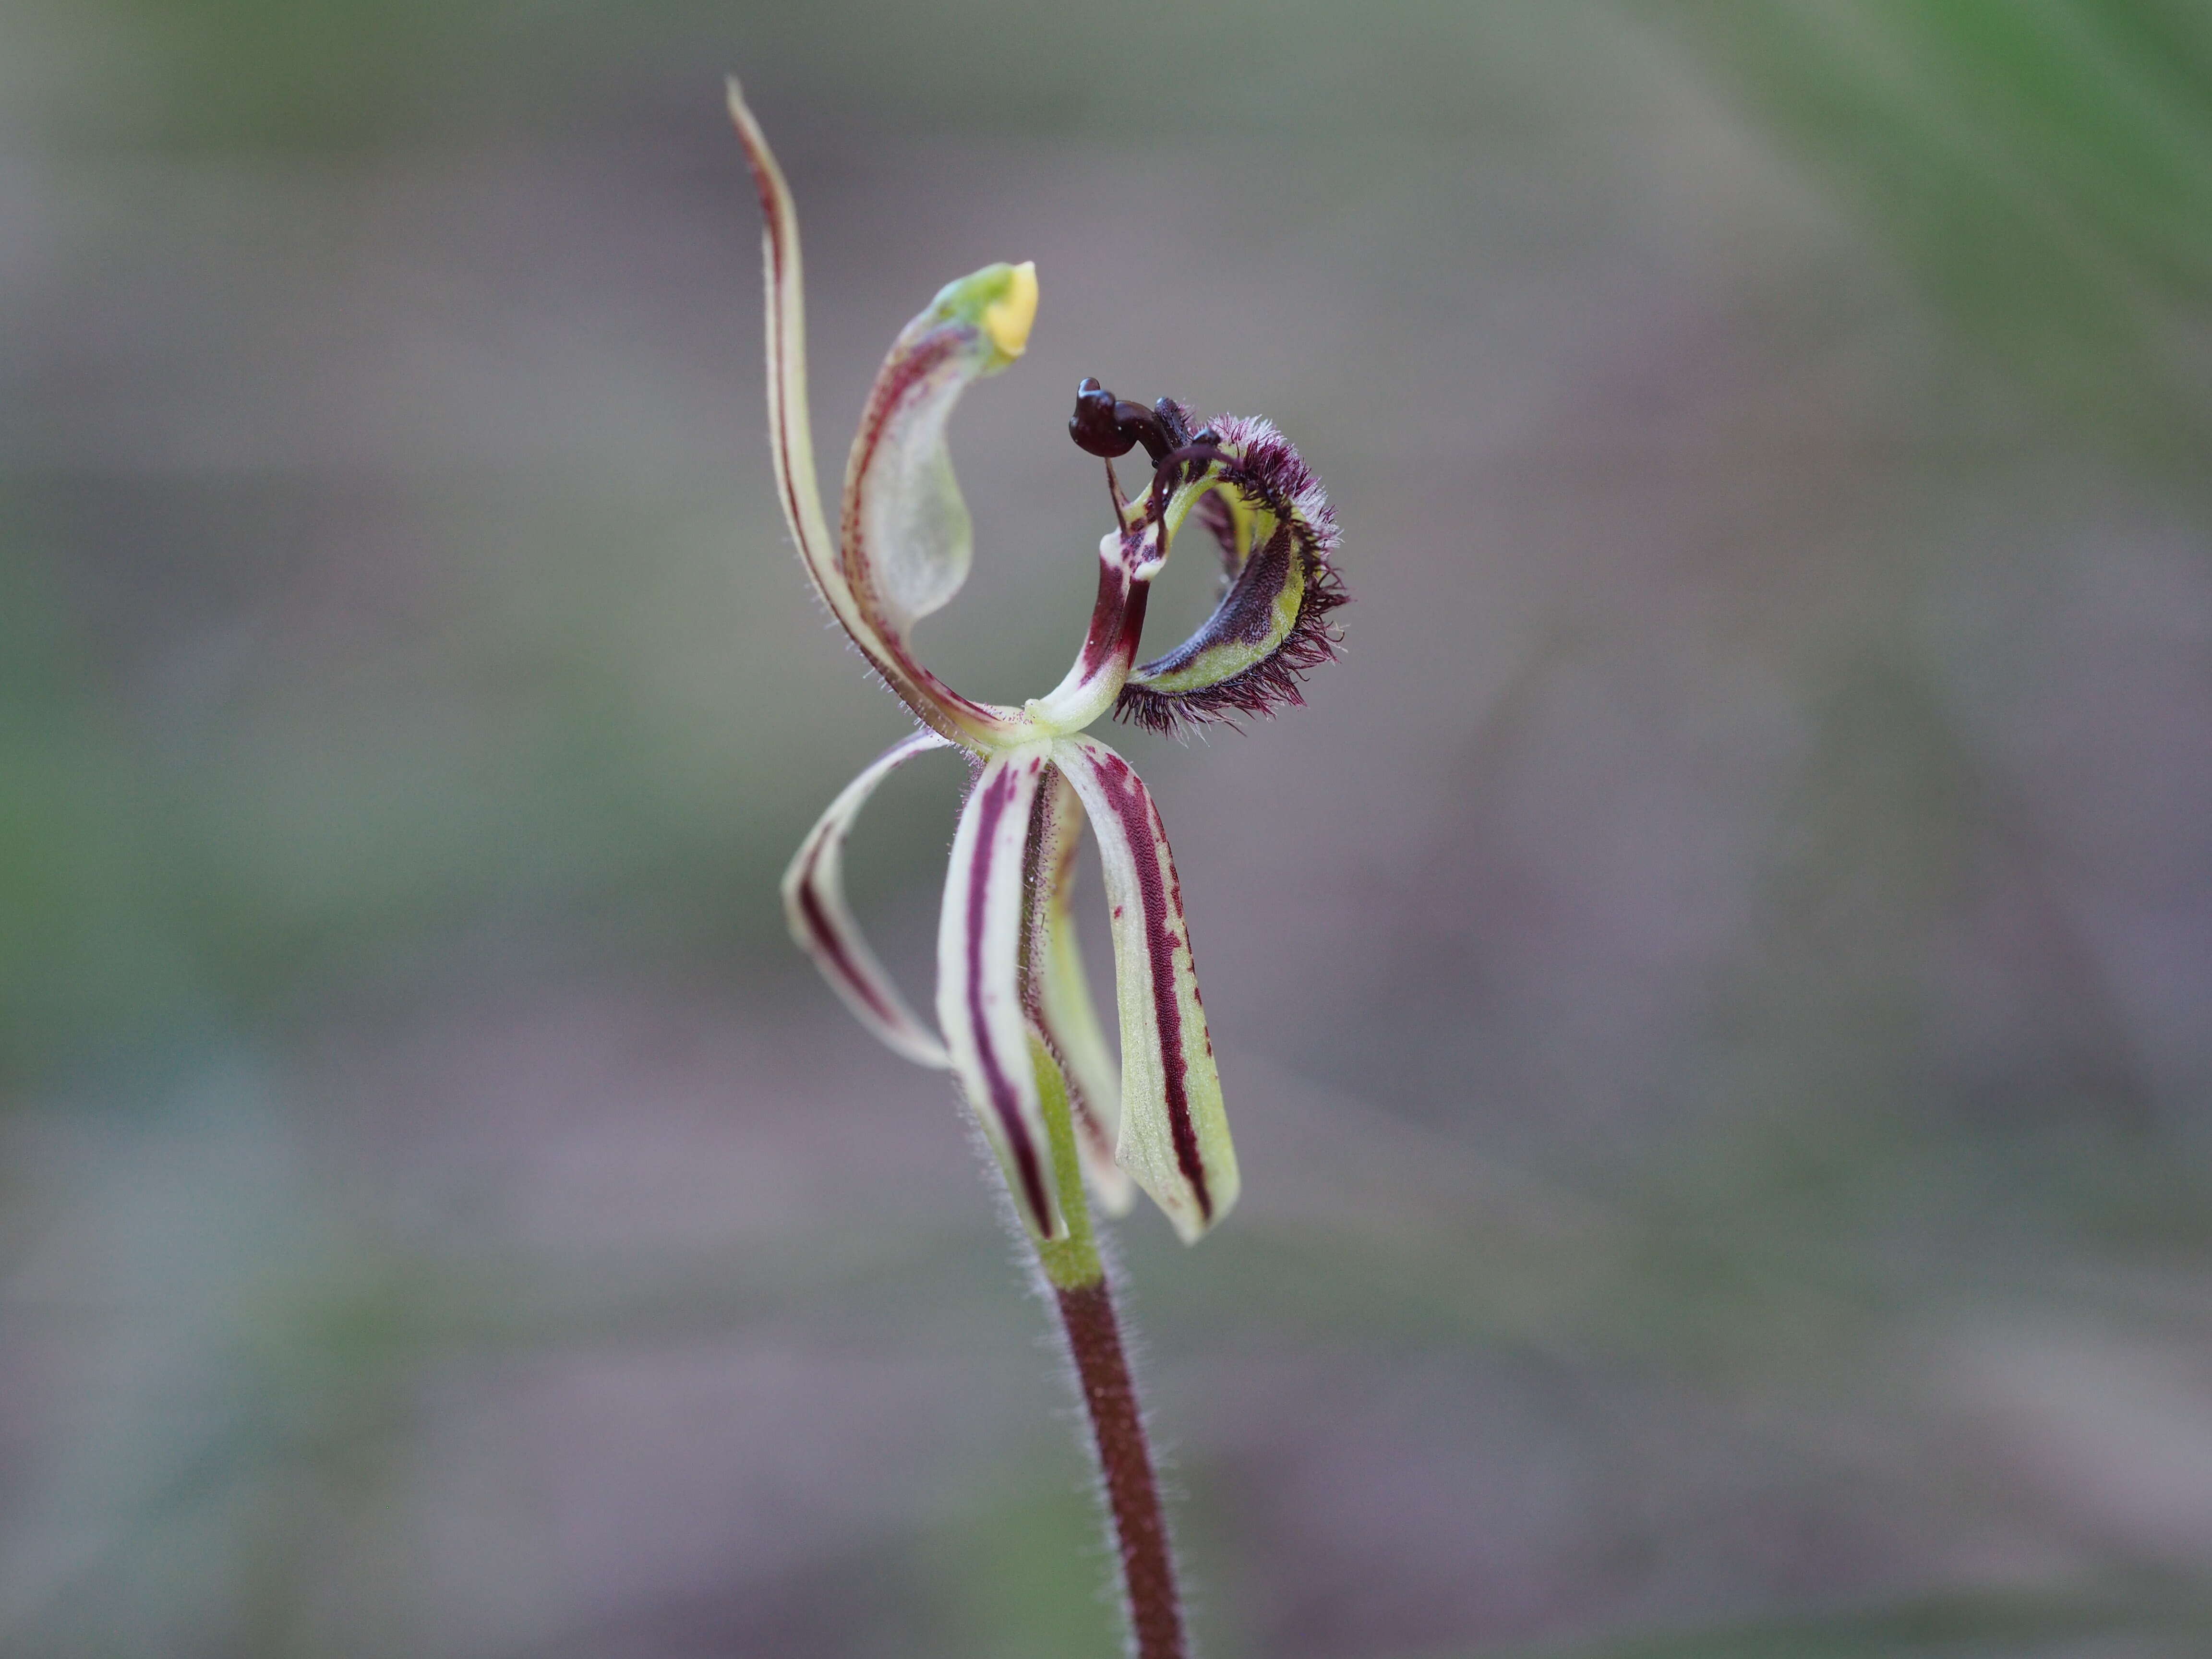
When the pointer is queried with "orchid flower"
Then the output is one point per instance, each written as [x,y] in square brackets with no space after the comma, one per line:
[1015,1020]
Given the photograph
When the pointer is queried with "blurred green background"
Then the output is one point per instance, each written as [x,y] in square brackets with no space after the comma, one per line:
[1715,992]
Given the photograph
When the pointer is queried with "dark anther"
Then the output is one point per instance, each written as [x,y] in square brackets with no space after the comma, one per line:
[1092,425]
[1107,426]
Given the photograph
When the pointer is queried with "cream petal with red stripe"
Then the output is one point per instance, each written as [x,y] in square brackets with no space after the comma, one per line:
[1175,1134]
[1060,1000]
[979,997]
[814,904]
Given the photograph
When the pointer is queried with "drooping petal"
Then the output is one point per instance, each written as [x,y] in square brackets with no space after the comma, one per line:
[979,996]
[814,903]
[911,553]
[1058,994]
[1278,537]
[1175,1135]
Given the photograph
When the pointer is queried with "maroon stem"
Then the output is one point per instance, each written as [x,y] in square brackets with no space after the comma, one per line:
[1118,1429]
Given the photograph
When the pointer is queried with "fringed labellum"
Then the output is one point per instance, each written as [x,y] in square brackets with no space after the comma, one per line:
[1011,992]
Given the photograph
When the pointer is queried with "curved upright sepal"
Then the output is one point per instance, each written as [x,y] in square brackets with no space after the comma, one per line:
[911,550]
[1058,996]
[1175,1135]
[979,998]
[906,537]
[822,922]
[791,434]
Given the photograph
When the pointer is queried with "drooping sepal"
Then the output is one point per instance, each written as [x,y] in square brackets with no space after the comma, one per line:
[814,904]
[1278,537]
[1174,1135]
[979,996]
[1057,993]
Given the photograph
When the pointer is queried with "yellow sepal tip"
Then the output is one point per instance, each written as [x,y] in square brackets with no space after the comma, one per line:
[1007,319]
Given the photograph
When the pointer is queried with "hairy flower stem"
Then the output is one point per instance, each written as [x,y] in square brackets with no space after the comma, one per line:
[1118,1432]
[1078,1276]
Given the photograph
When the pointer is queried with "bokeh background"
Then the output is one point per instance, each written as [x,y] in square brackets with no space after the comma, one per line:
[1715,991]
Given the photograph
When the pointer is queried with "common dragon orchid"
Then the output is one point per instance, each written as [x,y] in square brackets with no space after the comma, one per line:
[1019,1028]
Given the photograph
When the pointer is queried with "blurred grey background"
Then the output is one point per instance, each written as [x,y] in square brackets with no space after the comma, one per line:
[1715,992]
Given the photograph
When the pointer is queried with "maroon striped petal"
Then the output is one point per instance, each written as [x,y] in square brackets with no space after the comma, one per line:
[1175,1135]
[1058,996]
[814,903]
[979,996]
